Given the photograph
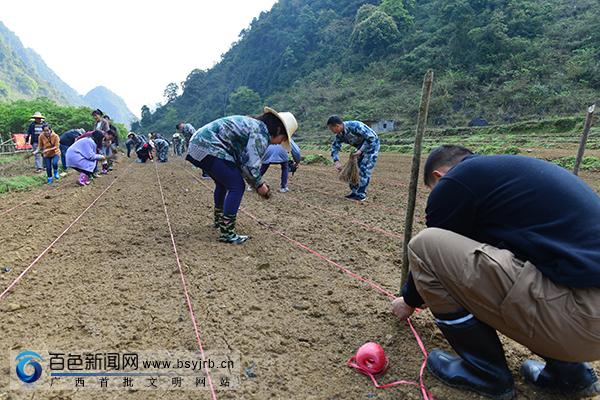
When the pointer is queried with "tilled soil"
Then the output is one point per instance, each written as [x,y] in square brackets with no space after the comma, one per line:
[23,165]
[111,283]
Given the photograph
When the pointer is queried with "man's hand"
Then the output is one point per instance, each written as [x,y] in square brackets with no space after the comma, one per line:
[264,191]
[356,154]
[401,309]
[338,166]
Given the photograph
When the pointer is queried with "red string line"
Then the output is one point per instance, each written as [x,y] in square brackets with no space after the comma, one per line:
[185,289]
[35,196]
[374,286]
[38,258]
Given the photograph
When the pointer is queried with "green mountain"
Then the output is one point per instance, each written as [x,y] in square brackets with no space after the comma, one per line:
[19,77]
[25,75]
[40,67]
[112,105]
[503,60]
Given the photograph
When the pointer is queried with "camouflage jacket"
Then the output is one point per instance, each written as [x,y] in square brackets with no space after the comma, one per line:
[356,134]
[241,140]
[188,131]
[160,144]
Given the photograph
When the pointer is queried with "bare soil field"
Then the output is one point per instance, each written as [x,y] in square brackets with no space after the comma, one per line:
[112,282]
[20,166]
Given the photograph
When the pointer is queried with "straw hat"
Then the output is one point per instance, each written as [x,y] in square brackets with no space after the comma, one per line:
[289,122]
[37,114]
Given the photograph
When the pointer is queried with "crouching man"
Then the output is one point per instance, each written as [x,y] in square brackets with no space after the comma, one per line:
[512,245]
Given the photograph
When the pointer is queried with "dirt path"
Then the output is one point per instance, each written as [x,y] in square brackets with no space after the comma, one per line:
[112,283]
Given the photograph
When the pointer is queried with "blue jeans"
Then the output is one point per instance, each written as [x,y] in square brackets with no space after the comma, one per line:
[229,184]
[129,145]
[50,163]
[63,155]
[285,170]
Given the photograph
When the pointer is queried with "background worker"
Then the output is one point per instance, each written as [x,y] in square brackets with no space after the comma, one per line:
[177,145]
[83,156]
[277,154]
[49,148]
[100,124]
[114,144]
[188,131]
[133,140]
[162,149]
[66,140]
[33,133]
[365,140]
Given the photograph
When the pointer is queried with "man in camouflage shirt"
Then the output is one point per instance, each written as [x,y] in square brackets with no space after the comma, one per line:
[188,131]
[365,140]
[230,150]
[162,149]
[134,142]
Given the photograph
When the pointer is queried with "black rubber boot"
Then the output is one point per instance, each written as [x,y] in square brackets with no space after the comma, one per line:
[228,234]
[567,378]
[481,365]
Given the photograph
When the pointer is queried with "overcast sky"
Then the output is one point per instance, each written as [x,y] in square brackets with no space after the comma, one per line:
[133,47]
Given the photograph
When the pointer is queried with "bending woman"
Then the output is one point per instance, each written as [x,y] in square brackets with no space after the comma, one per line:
[230,150]
[83,155]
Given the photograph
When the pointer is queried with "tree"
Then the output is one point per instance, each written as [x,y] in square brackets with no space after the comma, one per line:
[170,92]
[397,10]
[244,101]
[146,116]
[364,12]
[15,115]
[375,34]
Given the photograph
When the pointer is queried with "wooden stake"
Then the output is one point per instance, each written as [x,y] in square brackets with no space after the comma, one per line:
[586,130]
[416,165]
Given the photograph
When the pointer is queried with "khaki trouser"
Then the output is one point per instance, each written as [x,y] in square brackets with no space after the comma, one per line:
[453,272]
[37,157]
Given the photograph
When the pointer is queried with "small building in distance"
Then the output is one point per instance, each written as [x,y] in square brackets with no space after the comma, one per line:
[479,121]
[381,125]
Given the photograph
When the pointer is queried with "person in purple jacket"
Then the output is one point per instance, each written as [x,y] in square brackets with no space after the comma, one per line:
[83,155]
[277,154]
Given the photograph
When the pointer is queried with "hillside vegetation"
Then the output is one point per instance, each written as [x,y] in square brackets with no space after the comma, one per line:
[25,75]
[15,117]
[20,71]
[504,60]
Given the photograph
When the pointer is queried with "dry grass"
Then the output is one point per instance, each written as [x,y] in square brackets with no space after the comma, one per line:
[350,173]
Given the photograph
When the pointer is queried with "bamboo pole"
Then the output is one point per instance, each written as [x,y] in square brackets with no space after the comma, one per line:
[416,165]
[586,130]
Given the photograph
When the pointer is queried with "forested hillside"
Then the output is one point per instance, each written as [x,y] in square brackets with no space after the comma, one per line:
[19,75]
[25,75]
[504,60]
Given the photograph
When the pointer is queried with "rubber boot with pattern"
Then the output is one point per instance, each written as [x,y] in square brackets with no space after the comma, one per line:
[218,217]
[228,233]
